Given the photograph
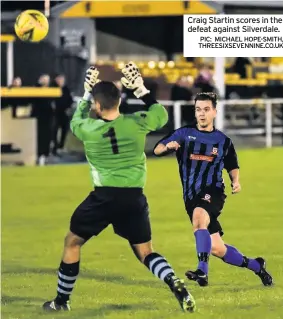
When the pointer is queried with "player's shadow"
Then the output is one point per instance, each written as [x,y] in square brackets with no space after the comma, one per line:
[115,308]
[224,288]
[107,309]
[7,300]
[84,274]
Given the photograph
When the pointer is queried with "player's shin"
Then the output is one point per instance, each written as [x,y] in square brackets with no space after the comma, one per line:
[203,246]
[67,276]
[159,266]
[235,258]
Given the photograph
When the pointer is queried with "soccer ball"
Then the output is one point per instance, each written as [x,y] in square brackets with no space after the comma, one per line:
[31,26]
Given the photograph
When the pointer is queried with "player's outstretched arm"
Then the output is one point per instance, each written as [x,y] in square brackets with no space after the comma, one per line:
[162,149]
[170,143]
[156,115]
[232,166]
[80,119]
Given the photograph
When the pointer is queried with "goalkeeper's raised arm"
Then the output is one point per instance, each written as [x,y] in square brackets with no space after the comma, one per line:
[80,120]
[155,116]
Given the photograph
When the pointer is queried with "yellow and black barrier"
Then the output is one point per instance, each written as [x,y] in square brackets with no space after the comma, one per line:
[246,82]
[7,38]
[30,92]
[141,8]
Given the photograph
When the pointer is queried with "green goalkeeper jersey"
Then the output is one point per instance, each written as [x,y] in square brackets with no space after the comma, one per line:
[115,149]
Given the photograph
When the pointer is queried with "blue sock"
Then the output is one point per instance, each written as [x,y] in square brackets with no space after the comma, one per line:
[203,245]
[235,258]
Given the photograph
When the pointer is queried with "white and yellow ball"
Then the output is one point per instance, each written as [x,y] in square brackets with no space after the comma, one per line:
[31,26]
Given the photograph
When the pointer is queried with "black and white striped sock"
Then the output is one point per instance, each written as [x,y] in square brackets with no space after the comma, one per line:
[67,276]
[159,266]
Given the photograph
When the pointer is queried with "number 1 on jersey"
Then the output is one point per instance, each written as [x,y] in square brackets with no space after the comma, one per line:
[113,140]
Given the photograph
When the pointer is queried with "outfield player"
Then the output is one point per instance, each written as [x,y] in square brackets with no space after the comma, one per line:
[114,147]
[202,153]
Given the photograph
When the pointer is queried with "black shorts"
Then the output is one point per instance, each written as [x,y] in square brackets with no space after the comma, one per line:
[212,200]
[125,208]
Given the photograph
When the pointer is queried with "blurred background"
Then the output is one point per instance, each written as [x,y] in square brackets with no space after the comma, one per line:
[41,83]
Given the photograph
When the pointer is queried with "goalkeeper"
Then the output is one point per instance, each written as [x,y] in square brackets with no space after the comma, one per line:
[114,146]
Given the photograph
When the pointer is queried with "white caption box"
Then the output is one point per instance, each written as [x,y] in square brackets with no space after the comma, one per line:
[231,35]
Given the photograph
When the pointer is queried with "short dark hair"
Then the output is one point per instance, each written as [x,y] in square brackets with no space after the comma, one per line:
[59,74]
[106,94]
[207,96]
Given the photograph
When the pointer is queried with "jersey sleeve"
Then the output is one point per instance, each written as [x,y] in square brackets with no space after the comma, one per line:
[231,159]
[153,119]
[81,123]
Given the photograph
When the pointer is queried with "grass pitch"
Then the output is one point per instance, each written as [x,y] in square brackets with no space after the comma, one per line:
[36,207]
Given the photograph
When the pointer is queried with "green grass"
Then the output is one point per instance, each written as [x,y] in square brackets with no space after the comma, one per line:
[38,202]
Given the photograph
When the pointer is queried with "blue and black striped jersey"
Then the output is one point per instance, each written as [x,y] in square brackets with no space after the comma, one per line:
[202,158]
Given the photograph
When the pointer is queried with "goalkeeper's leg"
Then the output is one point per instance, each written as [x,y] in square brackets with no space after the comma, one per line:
[89,219]
[67,274]
[159,266]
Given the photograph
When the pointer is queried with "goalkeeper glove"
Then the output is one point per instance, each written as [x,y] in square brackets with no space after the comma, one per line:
[91,78]
[133,80]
